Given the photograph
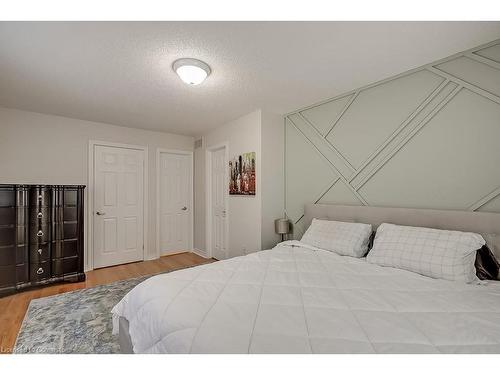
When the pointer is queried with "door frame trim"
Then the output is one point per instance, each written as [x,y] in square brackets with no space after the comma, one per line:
[89,249]
[160,151]
[208,197]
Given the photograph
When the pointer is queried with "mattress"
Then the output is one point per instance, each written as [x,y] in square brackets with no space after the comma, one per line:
[299,299]
[124,337]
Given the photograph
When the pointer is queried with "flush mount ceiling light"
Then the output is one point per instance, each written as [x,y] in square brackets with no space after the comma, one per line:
[191,71]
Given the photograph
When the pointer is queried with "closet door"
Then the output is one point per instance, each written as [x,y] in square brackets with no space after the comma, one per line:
[219,191]
[175,192]
[118,205]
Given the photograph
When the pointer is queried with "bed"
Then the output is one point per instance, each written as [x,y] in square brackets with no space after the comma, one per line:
[296,298]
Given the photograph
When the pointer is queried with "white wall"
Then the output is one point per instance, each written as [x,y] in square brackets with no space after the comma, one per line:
[45,149]
[244,212]
[251,219]
[199,201]
[273,176]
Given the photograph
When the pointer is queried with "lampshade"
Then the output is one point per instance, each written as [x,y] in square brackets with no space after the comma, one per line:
[281,226]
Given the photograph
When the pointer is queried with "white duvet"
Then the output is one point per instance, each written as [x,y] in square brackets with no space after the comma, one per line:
[299,299]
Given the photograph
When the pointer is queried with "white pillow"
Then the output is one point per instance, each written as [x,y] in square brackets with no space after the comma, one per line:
[350,239]
[441,254]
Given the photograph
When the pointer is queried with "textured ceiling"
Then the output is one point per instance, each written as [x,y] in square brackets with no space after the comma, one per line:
[120,72]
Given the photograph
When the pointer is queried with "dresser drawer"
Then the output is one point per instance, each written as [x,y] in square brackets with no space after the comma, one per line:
[22,235]
[70,230]
[70,197]
[22,215]
[7,275]
[64,249]
[39,271]
[7,215]
[39,253]
[7,198]
[22,198]
[64,266]
[39,197]
[39,233]
[22,254]
[57,197]
[8,236]
[22,273]
[70,213]
[65,231]
[13,255]
[40,215]
[7,255]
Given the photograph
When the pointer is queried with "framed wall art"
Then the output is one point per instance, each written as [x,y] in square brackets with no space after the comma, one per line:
[242,174]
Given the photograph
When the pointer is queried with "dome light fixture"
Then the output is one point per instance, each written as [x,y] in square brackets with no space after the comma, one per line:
[191,71]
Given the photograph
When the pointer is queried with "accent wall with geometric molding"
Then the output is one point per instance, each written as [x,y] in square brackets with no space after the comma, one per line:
[427,138]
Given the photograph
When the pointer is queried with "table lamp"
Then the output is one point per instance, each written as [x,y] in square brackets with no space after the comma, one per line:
[282,227]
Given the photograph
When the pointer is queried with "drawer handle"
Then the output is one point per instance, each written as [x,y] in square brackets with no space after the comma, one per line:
[39,251]
[40,215]
[39,271]
[40,197]
[40,233]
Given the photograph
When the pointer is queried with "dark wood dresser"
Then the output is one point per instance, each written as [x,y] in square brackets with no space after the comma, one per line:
[41,235]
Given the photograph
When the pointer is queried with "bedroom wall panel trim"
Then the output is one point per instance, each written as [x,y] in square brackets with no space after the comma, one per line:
[400,75]
[468,85]
[310,132]
[482,59]
[334,167]
[331,146]
[354,177]
[346,107]
[89,249]
[319,196]
[486,199]
[424,122]
[367,169]
[401,127]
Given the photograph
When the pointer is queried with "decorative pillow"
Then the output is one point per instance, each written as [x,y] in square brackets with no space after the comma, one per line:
[441,254]
[350,239]
[487,266]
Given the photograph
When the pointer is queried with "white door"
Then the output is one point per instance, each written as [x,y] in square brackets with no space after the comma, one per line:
[175,202]
[219,209]
[118,205]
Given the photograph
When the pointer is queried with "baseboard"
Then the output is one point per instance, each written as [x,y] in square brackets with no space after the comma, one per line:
[199,252]
[173,253]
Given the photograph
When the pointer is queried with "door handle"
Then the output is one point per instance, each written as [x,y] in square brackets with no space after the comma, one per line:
[100,213]
[184,208]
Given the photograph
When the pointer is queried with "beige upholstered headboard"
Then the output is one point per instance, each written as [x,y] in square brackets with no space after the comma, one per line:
[487,224]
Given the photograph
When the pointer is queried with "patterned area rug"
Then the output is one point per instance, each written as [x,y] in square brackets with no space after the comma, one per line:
[73,322]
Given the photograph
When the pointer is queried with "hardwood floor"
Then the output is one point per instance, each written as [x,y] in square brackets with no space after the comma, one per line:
[13,308]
